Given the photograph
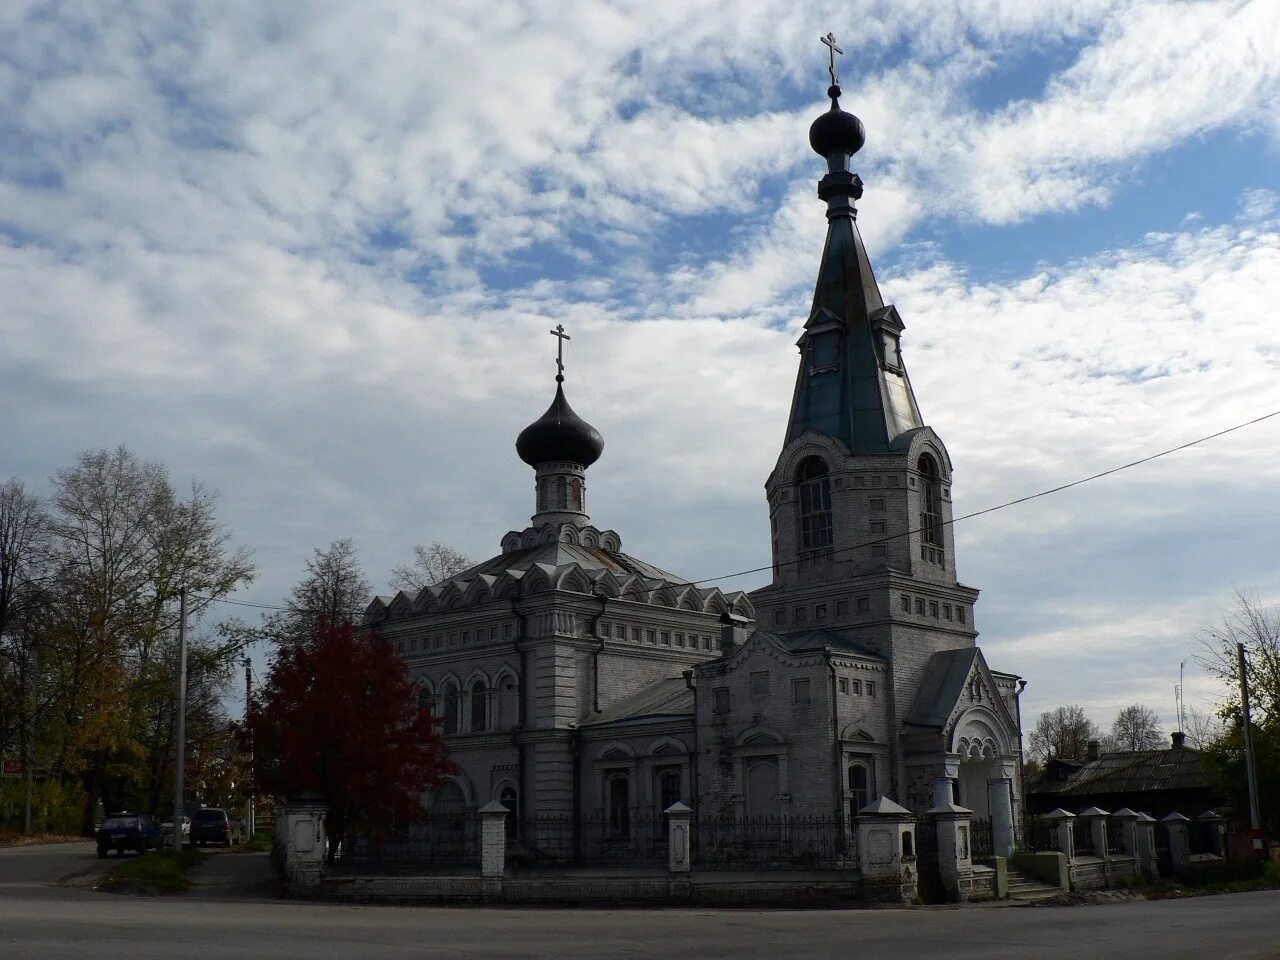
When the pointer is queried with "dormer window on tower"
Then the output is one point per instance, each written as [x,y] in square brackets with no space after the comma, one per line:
[930,510]
[814,480]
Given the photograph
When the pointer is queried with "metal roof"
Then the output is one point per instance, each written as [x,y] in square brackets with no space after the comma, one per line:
[1176,768]
[666,698]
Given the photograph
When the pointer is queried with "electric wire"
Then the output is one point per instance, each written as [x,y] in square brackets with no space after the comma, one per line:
[863,544]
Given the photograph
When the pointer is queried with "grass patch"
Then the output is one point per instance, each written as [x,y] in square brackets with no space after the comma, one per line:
[259,843]
[155,872]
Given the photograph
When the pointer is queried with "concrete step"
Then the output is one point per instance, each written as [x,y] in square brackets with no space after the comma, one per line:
[1024,887]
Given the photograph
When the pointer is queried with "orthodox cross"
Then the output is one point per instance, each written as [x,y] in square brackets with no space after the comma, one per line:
[561,337]
[830,41]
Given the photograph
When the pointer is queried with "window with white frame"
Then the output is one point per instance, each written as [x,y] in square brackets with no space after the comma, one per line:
[479,706]
[449,698]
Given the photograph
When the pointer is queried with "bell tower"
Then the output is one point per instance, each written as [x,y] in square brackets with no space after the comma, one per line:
[860,497]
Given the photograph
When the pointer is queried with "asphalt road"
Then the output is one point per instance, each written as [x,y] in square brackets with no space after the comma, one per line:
[49,863]
[41,919]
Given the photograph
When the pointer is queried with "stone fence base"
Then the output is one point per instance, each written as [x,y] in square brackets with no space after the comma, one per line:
[694,889]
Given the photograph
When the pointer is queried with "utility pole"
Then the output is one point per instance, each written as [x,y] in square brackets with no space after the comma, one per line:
[1255,819]
[248,699]
[179,772]
[29,761]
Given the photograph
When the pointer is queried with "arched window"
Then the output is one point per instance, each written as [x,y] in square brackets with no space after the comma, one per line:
[815,503]
[479,706]
[449,696]
[930,510]
[575,494]
[859,787]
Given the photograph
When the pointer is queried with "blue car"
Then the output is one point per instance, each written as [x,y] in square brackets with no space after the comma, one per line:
[128,831]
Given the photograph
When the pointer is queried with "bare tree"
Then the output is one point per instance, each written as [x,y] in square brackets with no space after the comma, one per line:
[333,591]
[1136,727]
[1063,732]
[431,565]
[1202,728]
[1257,625]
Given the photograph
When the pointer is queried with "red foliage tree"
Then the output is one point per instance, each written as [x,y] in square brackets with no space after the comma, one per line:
[340,716]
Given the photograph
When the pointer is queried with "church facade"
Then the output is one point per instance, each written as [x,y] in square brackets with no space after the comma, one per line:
[572,679]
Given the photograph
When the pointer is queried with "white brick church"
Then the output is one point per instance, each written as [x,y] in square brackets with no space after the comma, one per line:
[574,679]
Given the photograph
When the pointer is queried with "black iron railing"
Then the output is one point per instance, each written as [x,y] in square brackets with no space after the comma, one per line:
[563,840]
[981,841]
[1082,837]
[1115,839]
[444,840]
[771,843]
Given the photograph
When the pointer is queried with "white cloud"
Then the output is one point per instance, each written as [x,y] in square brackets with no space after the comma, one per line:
[191,197]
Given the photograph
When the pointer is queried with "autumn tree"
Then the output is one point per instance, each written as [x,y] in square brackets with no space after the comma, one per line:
[1062,732]
[431,565]
[340,716]
[1136,727]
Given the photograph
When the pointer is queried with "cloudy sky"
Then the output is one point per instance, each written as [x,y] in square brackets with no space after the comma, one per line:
[309,253]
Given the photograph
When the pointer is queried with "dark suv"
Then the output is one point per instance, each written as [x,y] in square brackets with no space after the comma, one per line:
[127,831]
[211,825]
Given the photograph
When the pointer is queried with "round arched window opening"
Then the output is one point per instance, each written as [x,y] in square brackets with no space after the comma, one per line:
[814,481]
[930,510]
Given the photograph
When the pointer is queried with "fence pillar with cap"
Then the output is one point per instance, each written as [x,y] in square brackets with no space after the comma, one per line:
[1062,821]
[887,851]
[1175,825]
[1095,821]
[1144,831]
[955,854]
[1124,824]
[493,840]
[301,835]
[678,822]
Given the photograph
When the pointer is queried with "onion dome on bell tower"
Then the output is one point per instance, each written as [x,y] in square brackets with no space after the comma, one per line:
[560,445]
[852,384]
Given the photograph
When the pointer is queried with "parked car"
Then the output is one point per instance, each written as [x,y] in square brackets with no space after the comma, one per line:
[127,831]
[211,825]
[166,831]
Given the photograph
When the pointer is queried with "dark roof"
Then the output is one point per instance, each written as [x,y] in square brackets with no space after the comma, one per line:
[835,640]
[1141,771]
[846,387]
[559,434]
[666,698]
[941,686]
[558,553]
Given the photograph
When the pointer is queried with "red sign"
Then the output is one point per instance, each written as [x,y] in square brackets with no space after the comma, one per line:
[10,768]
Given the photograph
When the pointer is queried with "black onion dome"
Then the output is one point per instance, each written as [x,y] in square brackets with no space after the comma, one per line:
[560,434]
[836,131]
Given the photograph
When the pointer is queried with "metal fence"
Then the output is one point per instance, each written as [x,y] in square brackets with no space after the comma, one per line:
[448,840]
[1082,837]
[1036,835]
[1203,837]
[1115,839]
[981,841]
[772,843]
[564,840]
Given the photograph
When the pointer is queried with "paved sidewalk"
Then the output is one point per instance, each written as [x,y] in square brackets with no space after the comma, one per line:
[231,875]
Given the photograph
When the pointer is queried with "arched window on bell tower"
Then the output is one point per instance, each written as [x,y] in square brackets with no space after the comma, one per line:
[814,481]
[930,510]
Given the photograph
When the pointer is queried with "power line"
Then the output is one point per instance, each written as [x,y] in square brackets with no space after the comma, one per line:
[878,540]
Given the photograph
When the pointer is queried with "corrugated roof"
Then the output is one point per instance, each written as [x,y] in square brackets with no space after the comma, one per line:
[666,698]
[1177,768]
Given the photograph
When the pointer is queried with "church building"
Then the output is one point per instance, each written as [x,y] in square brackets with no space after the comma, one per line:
[573,679]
